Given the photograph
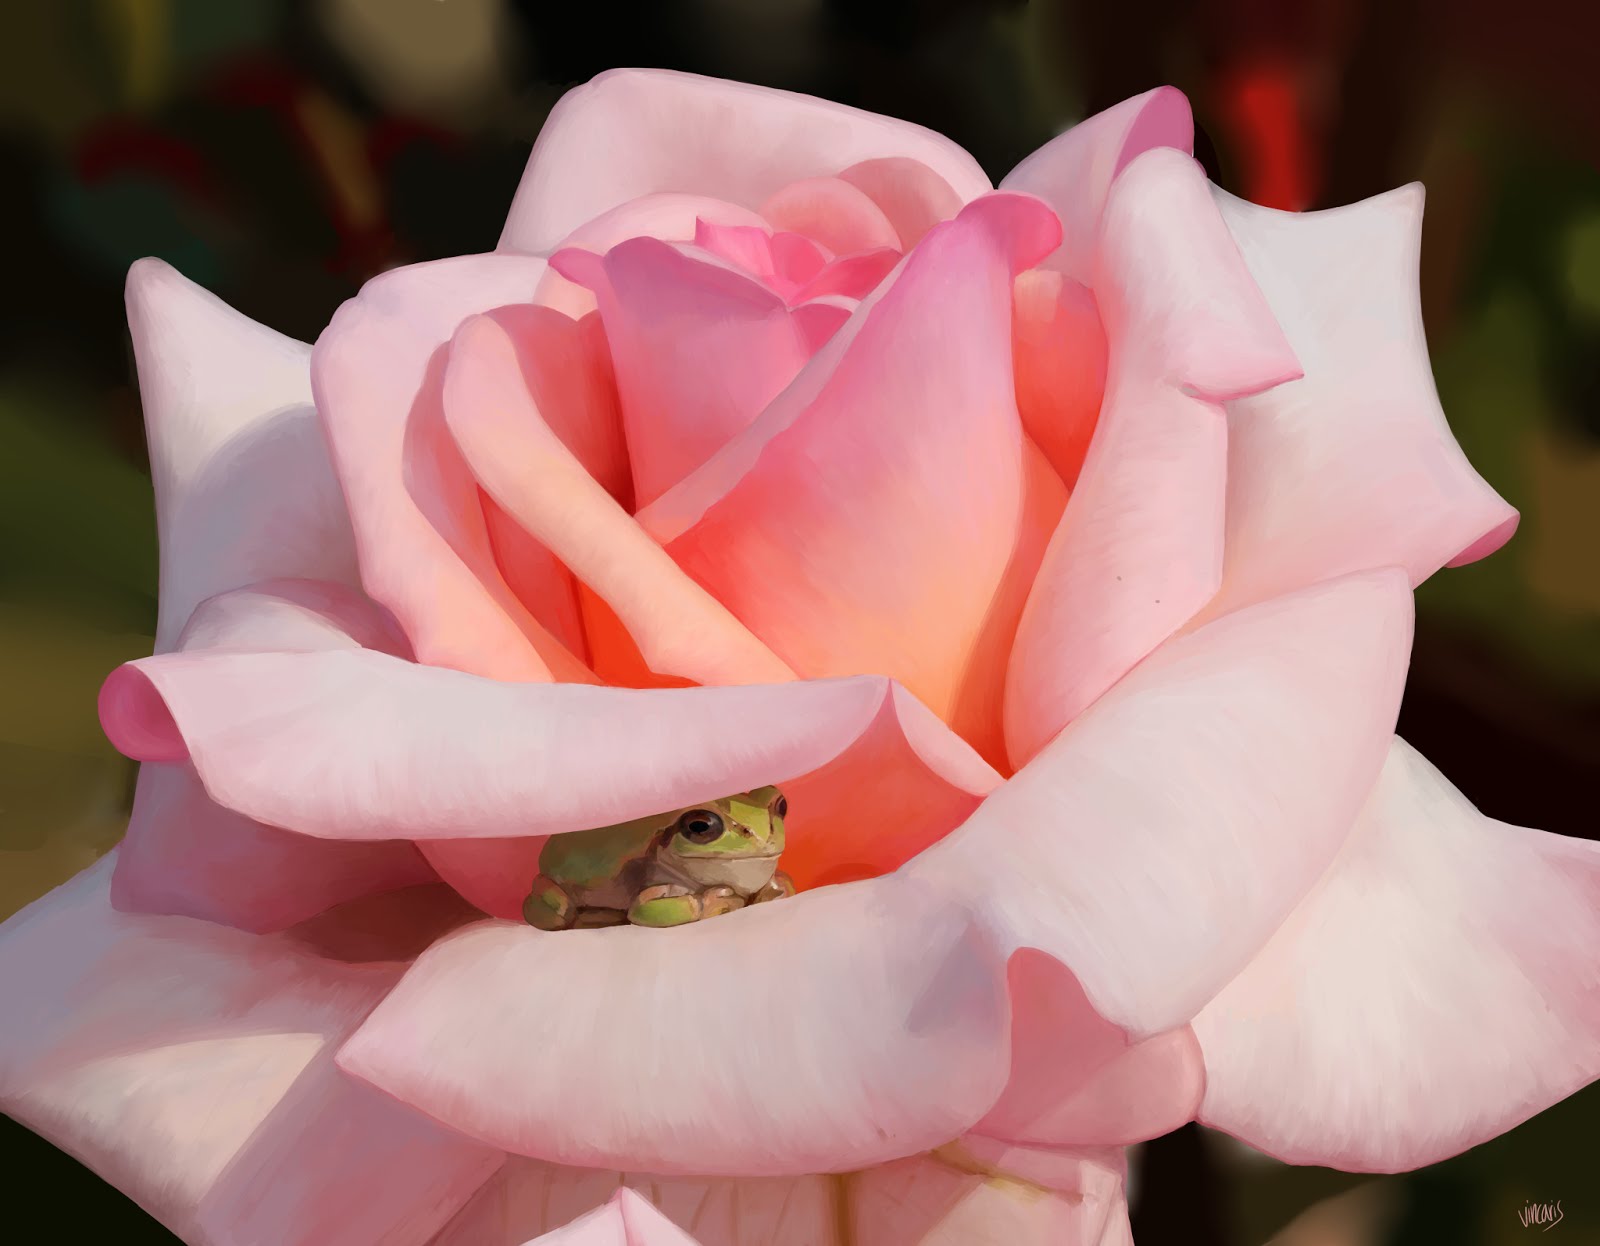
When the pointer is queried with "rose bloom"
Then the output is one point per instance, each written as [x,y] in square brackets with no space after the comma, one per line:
[1051,546]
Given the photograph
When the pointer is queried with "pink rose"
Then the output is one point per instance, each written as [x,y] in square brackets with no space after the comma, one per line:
[1052,547]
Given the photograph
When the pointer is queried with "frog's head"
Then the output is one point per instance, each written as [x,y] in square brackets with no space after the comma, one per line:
[747,825]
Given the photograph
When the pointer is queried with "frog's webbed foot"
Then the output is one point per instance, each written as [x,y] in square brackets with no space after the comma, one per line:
[548,907]
[779,888]
[670,904]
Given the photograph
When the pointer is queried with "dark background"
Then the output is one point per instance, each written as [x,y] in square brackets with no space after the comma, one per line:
[281,153]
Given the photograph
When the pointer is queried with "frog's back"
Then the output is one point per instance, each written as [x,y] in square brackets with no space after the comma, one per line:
[591,858]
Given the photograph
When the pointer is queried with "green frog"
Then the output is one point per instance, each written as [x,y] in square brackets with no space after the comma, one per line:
[664,870]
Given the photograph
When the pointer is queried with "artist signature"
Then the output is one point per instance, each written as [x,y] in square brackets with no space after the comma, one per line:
[1547,1214]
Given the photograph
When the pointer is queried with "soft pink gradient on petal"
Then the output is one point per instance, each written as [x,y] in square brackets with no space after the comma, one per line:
[874,526]
[185,855]
[1074,172]
[910,194]
[1104,850]
[1076,1079]
[599,1047]
[974,1192]
[633,132]
[496,367]
[1059,356]
[670,217]
[1353,466]
[1139,549]
[783,261]
[832,213]
[425,552]
[627,1219]
[854,276]
[698,349]
[1439,986]
[356,745]
[244,489]
[192,1067]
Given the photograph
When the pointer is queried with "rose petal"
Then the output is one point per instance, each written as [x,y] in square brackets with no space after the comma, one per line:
[1074,172]
[970,1193]
[627,1219]
[893,991]
[1139,549]
[425,551]
[633,132]
[1353,466]
[1438,987]
[1104,850]
[358,745]
[699,350]
[833,213]
[870,529]
[244,490]
[493,411]
[1076,1079]
[529,1197]
[910,194]
[191,1066]
[244,493]
[854,276]
[670,217]
[1059,354]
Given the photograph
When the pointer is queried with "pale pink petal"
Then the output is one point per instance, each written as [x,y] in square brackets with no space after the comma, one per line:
[971,1192]
[870,530]
[528,1197]
[1059,355]
[191,1066]
[633,132]
[496,370]
[1439,986]
[1139,549]
[627,1219]
[699,350]
[244,490]
[425,552]
[1074,172]
[1353,466]
[910,194]
[832,213]
[1251,742]
[358,745]
[841,1027]
[670,217]
[1078,1080]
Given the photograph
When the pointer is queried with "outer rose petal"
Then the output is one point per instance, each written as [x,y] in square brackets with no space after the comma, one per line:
[1139,549]
[850,1004]
[633,132]
[1439,986]
[626,1220]
[1353,466]
[876,523]
[244,492]
[425,550]
[191,1066]
[529,1197]
[1103,851]
[1059,352]
[1074,172]
[185,855]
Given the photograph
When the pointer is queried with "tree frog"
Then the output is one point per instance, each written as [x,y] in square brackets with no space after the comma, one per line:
[666,869]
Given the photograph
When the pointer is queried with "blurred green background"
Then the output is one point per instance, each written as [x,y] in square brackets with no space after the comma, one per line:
[280,153]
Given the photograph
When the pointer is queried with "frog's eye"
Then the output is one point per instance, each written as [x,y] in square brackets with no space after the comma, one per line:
[700,826]
[780,806]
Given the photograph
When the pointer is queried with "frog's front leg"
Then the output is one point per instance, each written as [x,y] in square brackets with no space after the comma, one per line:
[781,887]
[672,904]
[548,906]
